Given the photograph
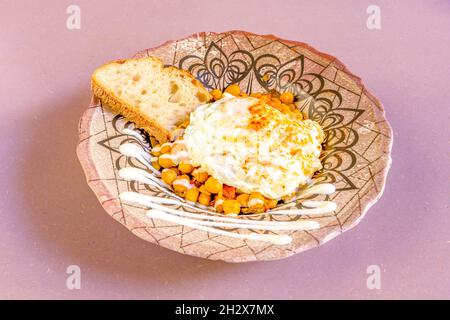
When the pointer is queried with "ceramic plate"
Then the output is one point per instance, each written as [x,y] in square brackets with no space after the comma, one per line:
[356,156]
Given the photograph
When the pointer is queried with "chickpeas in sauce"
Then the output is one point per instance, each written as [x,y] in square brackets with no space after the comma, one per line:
[195,185]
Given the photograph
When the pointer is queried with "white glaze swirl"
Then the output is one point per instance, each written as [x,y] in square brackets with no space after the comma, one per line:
[211,223]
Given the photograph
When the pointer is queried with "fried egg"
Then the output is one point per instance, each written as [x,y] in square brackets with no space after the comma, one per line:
[245,143]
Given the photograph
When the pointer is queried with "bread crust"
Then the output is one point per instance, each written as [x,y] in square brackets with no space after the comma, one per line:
[141,120]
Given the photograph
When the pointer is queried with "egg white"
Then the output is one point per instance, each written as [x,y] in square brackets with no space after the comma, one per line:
[220,141]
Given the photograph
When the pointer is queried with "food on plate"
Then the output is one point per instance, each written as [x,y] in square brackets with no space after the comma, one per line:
[154,97]
[238,153]
[242,154]
[248,144]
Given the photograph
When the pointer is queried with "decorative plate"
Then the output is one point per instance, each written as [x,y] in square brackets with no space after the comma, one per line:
[356,155]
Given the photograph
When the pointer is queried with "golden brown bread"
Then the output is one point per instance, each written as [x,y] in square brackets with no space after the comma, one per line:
[154,97]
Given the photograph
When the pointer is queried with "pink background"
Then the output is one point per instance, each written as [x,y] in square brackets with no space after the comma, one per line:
[50,219]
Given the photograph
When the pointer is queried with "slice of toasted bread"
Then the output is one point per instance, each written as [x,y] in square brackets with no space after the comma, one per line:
[154,97]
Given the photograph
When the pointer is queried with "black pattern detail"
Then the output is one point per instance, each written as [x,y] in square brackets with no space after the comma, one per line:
[215,69]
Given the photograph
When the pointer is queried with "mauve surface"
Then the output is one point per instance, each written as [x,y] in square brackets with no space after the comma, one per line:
[51,219]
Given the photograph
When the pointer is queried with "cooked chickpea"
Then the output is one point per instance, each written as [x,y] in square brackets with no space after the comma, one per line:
[200,176]
[243,199]
[166,162]
[213,186]
[287,97]
[233,89]
[156,165]
[185,176]
[168,176]
[181,184]
[271,203]
[216,94]
[156,150]
[231,206]
[204,199]
[202,189]
[192,194]
[166,147]
[256,200]
[219,207]
[177,147]
[185,167]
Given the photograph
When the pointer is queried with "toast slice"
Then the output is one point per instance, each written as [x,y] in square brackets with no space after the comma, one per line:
[154,97]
